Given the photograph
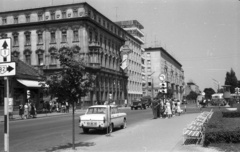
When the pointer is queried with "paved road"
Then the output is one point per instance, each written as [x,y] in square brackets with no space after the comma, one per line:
[45,134]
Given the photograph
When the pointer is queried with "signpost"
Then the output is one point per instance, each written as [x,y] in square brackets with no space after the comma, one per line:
[7,68]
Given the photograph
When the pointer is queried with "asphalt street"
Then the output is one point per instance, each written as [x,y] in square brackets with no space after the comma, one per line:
[51,133]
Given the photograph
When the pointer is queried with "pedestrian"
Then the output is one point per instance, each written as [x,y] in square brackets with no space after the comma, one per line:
[26,112]
[67,107]
[173,108]
[162,109]
[125,102]
[63,107]
[154,108]
[179,110]
[158,108]
[21,110]
[169,110]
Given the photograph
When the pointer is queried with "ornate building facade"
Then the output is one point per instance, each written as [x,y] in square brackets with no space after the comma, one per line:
[159,61]
[39,32]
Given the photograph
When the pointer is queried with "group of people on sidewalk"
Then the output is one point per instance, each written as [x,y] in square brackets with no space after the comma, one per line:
[165,108]
[28,110]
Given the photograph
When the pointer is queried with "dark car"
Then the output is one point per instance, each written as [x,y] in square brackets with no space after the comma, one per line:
[138,104]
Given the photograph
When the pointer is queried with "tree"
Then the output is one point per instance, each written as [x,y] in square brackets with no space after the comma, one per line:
[192,96]
[231,79]
[72,82]
[208,93]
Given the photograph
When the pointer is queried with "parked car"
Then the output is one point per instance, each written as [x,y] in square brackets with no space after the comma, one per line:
[96,118]
[138,104]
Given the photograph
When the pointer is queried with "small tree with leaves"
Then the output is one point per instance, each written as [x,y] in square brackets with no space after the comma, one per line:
[208,93]
[231,79]
[72,82]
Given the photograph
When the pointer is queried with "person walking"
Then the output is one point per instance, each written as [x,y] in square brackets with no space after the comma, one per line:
[169,110]
[179,110]
[154,108]
[67,107]
[158,108]
[21,110]
[162,109]
[26,112]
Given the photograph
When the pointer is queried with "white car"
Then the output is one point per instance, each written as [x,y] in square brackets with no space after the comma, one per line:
[96,118]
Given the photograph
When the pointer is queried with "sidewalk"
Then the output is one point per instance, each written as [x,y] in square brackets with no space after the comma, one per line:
[153,135]
[17,117]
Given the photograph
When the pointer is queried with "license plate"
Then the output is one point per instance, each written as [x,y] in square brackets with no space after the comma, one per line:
[92,124]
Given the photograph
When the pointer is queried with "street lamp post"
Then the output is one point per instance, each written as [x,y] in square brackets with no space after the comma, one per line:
[217,84]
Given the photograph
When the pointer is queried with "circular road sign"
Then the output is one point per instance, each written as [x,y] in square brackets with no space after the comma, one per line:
[162,77]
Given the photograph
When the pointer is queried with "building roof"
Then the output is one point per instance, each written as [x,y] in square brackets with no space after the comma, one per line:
[25,71]
[164,51]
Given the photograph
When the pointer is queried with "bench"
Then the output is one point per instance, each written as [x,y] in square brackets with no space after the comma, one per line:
[195,129]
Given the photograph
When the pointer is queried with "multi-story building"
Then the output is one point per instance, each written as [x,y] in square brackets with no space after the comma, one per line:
[38,33]
[133,27]
[159,61]
[191,87]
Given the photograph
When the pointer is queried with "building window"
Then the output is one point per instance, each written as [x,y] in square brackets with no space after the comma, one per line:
[28,58]
[15,20]
[64,36]
[99,20]
[40,59]
[40,38]
[100,40]
[4,21]
[53,37]
[53,15]
[64,14]
[103,23]
[75,13]
[149,62]
[94,16]
[148,69]
[15,40]
[96,37]
[40,17]
[53,59]
[27,38]
[75,35]
[90,36]
[27,18]
[105,43]
[148,54]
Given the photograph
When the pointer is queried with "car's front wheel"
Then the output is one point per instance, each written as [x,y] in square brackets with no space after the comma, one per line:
[124,124]
[85,130]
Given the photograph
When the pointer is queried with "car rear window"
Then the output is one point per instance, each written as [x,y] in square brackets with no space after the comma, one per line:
[96,110]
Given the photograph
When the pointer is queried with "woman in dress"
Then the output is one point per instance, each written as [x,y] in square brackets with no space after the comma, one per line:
[179,110]
[169,110]
[26,111]
[21,110]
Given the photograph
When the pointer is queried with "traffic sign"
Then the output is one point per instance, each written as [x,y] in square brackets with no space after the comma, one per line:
[7,69]
[162,77]
[5,50]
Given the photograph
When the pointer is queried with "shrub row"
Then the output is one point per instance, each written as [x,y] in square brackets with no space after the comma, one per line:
[231,114]
[220,129]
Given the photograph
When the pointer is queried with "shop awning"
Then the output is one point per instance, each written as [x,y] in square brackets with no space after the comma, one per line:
[31,83]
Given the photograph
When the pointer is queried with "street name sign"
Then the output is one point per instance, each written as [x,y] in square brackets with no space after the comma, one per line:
[7,69]
[5,50]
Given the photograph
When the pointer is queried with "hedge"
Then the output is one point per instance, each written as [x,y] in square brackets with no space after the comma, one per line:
[220,129]
[231,114]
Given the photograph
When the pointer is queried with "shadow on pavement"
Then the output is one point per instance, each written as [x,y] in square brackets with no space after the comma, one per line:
[69,145]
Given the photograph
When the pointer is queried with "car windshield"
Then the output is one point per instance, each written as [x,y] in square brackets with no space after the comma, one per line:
[96,110]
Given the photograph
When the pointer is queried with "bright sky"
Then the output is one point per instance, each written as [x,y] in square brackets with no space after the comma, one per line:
[203,35]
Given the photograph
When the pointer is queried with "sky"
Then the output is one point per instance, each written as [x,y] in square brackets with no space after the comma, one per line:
[203,35]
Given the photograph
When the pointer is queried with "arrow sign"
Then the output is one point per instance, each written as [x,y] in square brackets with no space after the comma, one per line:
[7,69]
[5,50]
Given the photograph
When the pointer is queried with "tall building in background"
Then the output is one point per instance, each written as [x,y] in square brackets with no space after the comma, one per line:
[38,33]
[159,61]
[135,42]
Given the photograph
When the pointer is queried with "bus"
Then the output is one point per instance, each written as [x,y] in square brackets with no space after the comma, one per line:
[217,99]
